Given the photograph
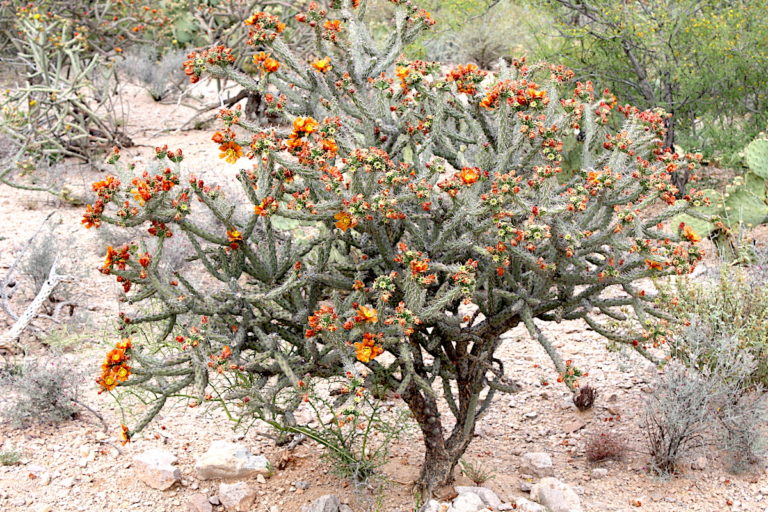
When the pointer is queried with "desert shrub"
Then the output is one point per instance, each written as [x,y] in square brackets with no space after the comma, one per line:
[158,74]
[403,221]
[706,397]
[734,304]
[585,397]
[353,426]
[42,389]
[64,106]
[605,446]
[478,472]
[677,417]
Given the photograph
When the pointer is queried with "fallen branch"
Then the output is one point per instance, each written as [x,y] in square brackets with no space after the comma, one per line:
[7,339]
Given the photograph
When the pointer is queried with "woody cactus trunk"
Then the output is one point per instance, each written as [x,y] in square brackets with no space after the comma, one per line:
[404,218]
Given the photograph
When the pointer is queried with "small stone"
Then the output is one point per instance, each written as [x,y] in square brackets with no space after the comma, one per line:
[700,463]
[530,415]
[214,500]
[237,497]
[230,461]
[525,486]
[301,484]
[524,505]
[327,503]
[468,502]
[490,499]
[345,508]
[155,468]
[44,508]
[67,482]
[599,473]
[556,496]
[199,503]
[537,463]
[260,479]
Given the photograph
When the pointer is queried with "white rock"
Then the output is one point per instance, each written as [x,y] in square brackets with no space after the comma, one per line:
[556,496]
[199,503]
[488,496]
[430,506]
[467,502]
[236,497]
[599,473]
[155,468]
[537,463]
[327,503]
[524,505]
[230,461]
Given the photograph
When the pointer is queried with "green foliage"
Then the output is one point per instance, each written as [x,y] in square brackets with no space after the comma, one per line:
[434,217]
[734,305]
[9,457]
[693,58]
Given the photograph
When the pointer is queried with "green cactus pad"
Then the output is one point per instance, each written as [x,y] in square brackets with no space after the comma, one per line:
[756,156]
[745,204]
[702,227]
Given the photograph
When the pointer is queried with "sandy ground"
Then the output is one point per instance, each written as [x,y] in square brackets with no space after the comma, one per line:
[76,466]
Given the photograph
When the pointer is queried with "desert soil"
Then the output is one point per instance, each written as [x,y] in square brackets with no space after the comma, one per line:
[77,466]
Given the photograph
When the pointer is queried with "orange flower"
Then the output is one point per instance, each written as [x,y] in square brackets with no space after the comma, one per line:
[689,234]
[654,265]
[367,314]
[226,352]
[125,434]
[271,65]
[304,126]
[329,146]
[536,94]
[234,235]
[218,138]
[334,25]
[419,266]
[344,221]
[469,175]
[367,350]
[230,151]
[322,65]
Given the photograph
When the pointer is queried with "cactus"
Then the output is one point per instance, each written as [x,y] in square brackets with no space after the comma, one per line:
[742,205]
[756,157]
[434,217]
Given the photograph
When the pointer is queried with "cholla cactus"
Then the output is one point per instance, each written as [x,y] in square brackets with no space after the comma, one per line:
[406,219]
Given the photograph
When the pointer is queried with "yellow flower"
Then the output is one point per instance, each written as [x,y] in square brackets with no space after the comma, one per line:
[367,314]
[230,151]
[323,65]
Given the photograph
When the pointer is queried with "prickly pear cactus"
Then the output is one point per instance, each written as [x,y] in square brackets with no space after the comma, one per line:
[756,156]
[744,201]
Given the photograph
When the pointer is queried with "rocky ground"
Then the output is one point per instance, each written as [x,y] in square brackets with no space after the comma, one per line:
[524,440]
